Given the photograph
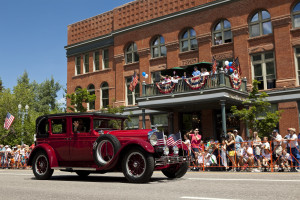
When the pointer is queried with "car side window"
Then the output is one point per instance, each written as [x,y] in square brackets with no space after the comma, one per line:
[58,126]
[81,125]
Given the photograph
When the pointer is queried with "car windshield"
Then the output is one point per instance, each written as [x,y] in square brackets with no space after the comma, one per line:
[105,124]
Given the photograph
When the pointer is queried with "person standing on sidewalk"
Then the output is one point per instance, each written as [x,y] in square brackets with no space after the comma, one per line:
[292,143]
[277,148]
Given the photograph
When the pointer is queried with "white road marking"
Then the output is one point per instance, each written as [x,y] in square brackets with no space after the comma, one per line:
[258,180]
[15,174]
[205,198]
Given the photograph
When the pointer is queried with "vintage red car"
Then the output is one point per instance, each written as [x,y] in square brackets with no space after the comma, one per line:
[97,143]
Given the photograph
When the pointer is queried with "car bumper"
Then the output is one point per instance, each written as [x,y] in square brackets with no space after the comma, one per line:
[166,160]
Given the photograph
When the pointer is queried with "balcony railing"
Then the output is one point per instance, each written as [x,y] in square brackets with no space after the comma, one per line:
[180,86]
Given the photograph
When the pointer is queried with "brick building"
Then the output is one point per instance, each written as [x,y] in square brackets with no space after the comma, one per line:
[152,36]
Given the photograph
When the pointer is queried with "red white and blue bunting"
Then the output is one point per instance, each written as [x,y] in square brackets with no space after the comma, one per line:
[235,82]
[196,82]
[165,88]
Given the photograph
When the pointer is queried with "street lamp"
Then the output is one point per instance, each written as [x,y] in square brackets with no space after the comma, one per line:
[23,114]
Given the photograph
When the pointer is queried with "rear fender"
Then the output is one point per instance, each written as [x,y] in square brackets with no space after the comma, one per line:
[50,153]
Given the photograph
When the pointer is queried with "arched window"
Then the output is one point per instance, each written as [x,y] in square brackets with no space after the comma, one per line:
[158,48]
[104,95]
[78,87]
[188,40]
[296,15]
[131,54]
[222,32]
[260,24]
[91,90]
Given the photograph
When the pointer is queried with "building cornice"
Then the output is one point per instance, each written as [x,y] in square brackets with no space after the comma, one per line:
[102,39]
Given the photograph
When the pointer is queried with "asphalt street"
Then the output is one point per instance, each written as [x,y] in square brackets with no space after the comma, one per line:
[21,184]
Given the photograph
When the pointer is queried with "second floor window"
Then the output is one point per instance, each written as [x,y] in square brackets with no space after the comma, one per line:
[77,65]
[96,61]
[264,70]
[188,40]
[297,52]
[105,59]
[131,54]
[222,33]
[260,24]
[86,63]
[158,48]
[296,16]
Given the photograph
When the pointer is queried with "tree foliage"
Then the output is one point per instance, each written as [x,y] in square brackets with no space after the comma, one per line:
[79,98]
[257,112]
[39,97]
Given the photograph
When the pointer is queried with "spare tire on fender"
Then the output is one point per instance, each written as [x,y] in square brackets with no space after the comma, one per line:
[105,148]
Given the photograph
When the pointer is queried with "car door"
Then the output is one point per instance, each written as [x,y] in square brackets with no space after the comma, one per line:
[59,139]
[81,140]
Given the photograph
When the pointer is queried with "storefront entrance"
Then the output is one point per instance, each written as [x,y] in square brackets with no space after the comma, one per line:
[189,121]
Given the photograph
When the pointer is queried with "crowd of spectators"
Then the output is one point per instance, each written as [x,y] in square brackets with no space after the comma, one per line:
[14,157]
[234,153]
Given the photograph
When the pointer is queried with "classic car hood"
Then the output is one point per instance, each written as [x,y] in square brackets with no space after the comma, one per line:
[141,134]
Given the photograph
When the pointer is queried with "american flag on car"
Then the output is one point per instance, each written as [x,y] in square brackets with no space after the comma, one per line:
[160,138]
[174,139]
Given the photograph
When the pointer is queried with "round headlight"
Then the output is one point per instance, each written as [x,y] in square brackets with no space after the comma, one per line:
[153,139]
[175,150]
[166,151]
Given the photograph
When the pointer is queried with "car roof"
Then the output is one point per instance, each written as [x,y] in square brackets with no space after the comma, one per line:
[81,114]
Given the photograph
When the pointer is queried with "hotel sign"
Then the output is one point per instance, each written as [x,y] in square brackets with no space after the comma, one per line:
[189,61]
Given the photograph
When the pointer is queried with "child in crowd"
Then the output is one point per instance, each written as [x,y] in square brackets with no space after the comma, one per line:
[266,154]
[286,160]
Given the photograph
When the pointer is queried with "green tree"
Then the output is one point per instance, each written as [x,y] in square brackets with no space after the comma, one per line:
[25,93]
[78,98]
[258,114]
[46,94]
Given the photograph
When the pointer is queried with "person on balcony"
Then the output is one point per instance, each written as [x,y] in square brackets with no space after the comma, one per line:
[196,72]
[235,75]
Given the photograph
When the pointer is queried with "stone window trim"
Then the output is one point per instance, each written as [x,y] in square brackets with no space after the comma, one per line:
[259,22]
[187,39]
[219,41]
[294,13]
[91,73]
[104,59]
[131,52]
[78,65]
[263,62]
[160,44]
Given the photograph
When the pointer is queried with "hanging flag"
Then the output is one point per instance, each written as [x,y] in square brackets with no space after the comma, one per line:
[174,139]
[236,65]
[8,120]
[160,138]
[133,82]
[214,66]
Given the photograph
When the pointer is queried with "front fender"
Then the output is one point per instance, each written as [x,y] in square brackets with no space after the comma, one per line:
[142,143]
[50,153]
[132,143]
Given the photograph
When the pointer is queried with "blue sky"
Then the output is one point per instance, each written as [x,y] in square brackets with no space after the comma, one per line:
[33,34]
